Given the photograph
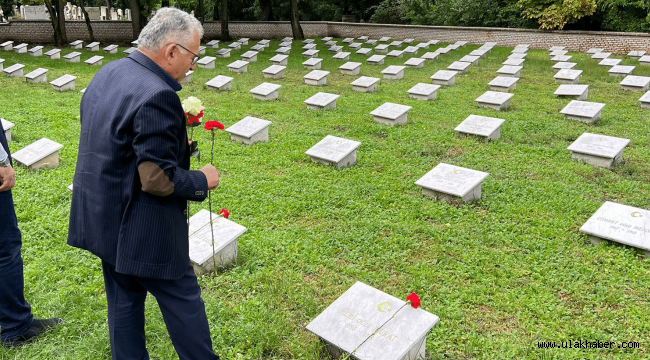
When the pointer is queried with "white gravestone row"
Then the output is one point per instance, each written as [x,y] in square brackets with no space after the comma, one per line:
[249,130]
[620,223]
[322,101]
[451,183]
[485,127]
[335,151]
[598,150]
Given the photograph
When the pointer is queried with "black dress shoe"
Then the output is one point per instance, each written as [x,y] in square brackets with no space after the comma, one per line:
[39,326]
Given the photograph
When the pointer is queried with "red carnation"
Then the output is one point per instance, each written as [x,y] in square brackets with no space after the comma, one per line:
[209,125]
[226,214]
[414,300]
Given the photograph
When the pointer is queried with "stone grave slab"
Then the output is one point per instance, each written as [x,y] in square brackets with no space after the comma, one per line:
[279,59]
[609,62]
[316,77]
[334,150]
[494,100]
[430,55]
[583,111]
[508,70]
[636,54]
[73,57]
[635,83]
[7,45]
[384,39]
[249,130]
[598,150]
[64,83]
[95,61]
[595,50]
[362,38]
[503,83]
[37,76]
[376,60]
[348,40]
[415,63]
[15,70]
[568,76]
[563,58]
[327,38]
[77,44]
[553,48]
[36,51]
[309,47]
[310,53]
[186,80]
[446,50]
[222,53]
[335,49]
[53,54]
[6,127]
[453,184]
[477,52]
[322,101]
[343,55]
[395,43]
[308,41]
[517,56]
[239,66]
[513,62]
[354,46]
[644,60]
[393,72]
[93,47]
[411,50]
[266,91]
[408,40]
[220,83]
[444,77]
[213,44]
[519,50]
[243,41]
[395,53]
[621,70]
[460,43]
[620,223]
[391,114]
[645,100]
[258,48]
[423,45]
[370,42]
[433,42]
[111,49]
[382,48]
[353,317]
[470,59]
[312,63]
[365,84]
[286,39]
[364,52]
[330,43]
[129,50]
[234,46]
[577,92]
[249,56]
[459,66]
[485,127]
[452,47]
[564,65]
[1,62]
[225,233]
[558,53]
[350,68]
[422,91]
[41,154]
[600,55]
[206,62]
[274,72]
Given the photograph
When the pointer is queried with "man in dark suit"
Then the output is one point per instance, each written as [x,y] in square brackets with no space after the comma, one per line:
[17,324]
[132,184]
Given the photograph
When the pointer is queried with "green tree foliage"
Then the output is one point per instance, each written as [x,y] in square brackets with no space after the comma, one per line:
[623,15]
[555,14]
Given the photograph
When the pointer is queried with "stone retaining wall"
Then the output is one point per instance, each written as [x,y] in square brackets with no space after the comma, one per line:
[39,31]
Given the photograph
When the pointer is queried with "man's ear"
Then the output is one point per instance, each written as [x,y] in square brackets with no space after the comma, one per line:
[169,51]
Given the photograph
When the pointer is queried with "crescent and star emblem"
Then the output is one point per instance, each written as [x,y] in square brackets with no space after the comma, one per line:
[381,306]
[637,214]
[458,171]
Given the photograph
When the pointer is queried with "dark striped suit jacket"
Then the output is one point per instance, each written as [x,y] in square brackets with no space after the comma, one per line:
[130,114]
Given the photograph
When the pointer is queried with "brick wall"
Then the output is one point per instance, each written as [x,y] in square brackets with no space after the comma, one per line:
[35,31]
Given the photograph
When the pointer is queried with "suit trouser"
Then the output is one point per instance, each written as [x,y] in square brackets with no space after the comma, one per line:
[180,304]
[15,313]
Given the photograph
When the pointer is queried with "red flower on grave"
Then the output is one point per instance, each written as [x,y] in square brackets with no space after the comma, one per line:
[194,120]
[209,125]
[414,300]
[226,214]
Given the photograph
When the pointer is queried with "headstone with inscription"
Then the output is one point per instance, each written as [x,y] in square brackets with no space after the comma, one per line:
[635,54]
[584,111]
[451,183]
[485,127]
[577,92]
[384,39]
[609,62]
[212,244]
[274,72]
[93,47]
[249,130]
[391,114]
[470,59]
[477,52]
[503,83]
[309,46]
[371,325]
[381,49]
[95,61]
[110,49]
[6,127]
[15,70]
[364,52]
[395,53]
[494,100]
[459,66]
[312,63]
[316,77]
[243,41]
[620,223]
[422,91]
[234,46]
[220,83]
[322,101]
[350,68]
[41,154]
[600,55]
[239,66]
[311,53]
[561,58]
[266,91]
[222,53]
[644,60]
[64,83]
[20,48]
[37,76]
[558,53]
[598,150]
[393,72]
[395,43]
[512,71]
[517,56]
[77,44]
[444,77]
[423,45]
[430,55]
[635,83]
[513,62]
[334,150]
[365,84]
[279,60]
[249,56]
[53,54]
[348,40]
[7,45]
[595,50]
[411,50]
[564,65]
[354,46]
[568,76]
[206,62]
[415,63]
[213,44]
[645,100]
[335,49]
[376,60]
[343,55]
[73,57]
[621,70]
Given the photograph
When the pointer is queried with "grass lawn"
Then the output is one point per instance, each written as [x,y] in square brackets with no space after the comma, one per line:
[502,274]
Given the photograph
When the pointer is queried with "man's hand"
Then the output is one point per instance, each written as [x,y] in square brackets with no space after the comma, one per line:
[212,174]
[8,178]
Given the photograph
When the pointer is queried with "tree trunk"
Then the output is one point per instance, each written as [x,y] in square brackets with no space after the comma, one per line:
[108,9]
[90,28]
[215,11]
[296,29]
[60,10]
[267,10]
[201,11]
[136,22]
[54,19]
[225,33]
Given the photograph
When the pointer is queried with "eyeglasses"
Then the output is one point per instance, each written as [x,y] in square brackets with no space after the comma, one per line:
[195,58]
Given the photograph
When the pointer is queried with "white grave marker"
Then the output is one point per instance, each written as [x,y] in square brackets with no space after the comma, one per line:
[365,84]
[635,83]
[391,114]
[577,92]
[334,150]
[239,66]
[78,44]
[274,72]
[322,101]
[609,62]
[481,126]
[451,183]
[6,127]
[312,63]
[343,55]
[393,72]
[415,63]
[37,76]
[350,68]
[422,91]
[279,60]
[568,76]
[95,61]
[316,77]
[53,54]
[43,153]
[460,67]
[494,100]
[249,56]
[645,100]
[376,60]
[220,83]
[93,47]
[512,71]
[503,83]
[266,91]
[36,51]
[598,150]
[620,223]
[621,70]
[564,65]
[444,77]
[249,130]
[73,57]
[583,111]
[15,70]
[206,62]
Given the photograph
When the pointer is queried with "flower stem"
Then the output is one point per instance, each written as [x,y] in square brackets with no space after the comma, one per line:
[214,259]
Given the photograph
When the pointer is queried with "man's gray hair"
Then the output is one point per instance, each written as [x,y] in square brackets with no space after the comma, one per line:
[169,25]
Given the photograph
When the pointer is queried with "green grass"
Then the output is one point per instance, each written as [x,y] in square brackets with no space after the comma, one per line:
[502,274]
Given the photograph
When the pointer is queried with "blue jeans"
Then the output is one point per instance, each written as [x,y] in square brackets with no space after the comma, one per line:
[15,313]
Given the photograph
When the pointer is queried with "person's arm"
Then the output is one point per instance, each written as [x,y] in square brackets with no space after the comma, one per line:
[7,174]
[3,155]
[156,147]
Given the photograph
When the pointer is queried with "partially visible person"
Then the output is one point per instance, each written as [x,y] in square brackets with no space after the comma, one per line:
[17,324]
[131,187]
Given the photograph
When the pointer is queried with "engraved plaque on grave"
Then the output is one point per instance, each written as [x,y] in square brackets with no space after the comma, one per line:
[459,66]
[422,91]
[481,126]
[609,62]
[63,83]
[508,70]
[335,49]
[201,245]
[395,53]
[620,223]
[73,57]
[494,100]
[95,61]
[391,114]
[239,66]
[350,68]
[364,51]
[452,183]
[37,76]
[354,46]
[513,62]
[577,92]
[583,111]
[334,150]
[568,76]
[310,53]
[7,45]
[636,54]
[393,72]
[430,56]
[382,48]
[635,83]
[6,127]
[316,77]
[220,83]
[415,63]
[621,70]
[250,56]
[274,72]
[564,65]
[503,83]
[561,58]
[249,130]
[376,60]
[265,91]
[279,59]
[598,150]
[322,101]
[53,54]
[206,62]
[43,153]
[213,44]
[517,56]
[411,50]
[470,59]
[645,100]
[444,77]
[365,84]
[343,55]
[312,63]
[399,329]
[222,53]
[15,70]
[77,44]
[477,52]
[36,51]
